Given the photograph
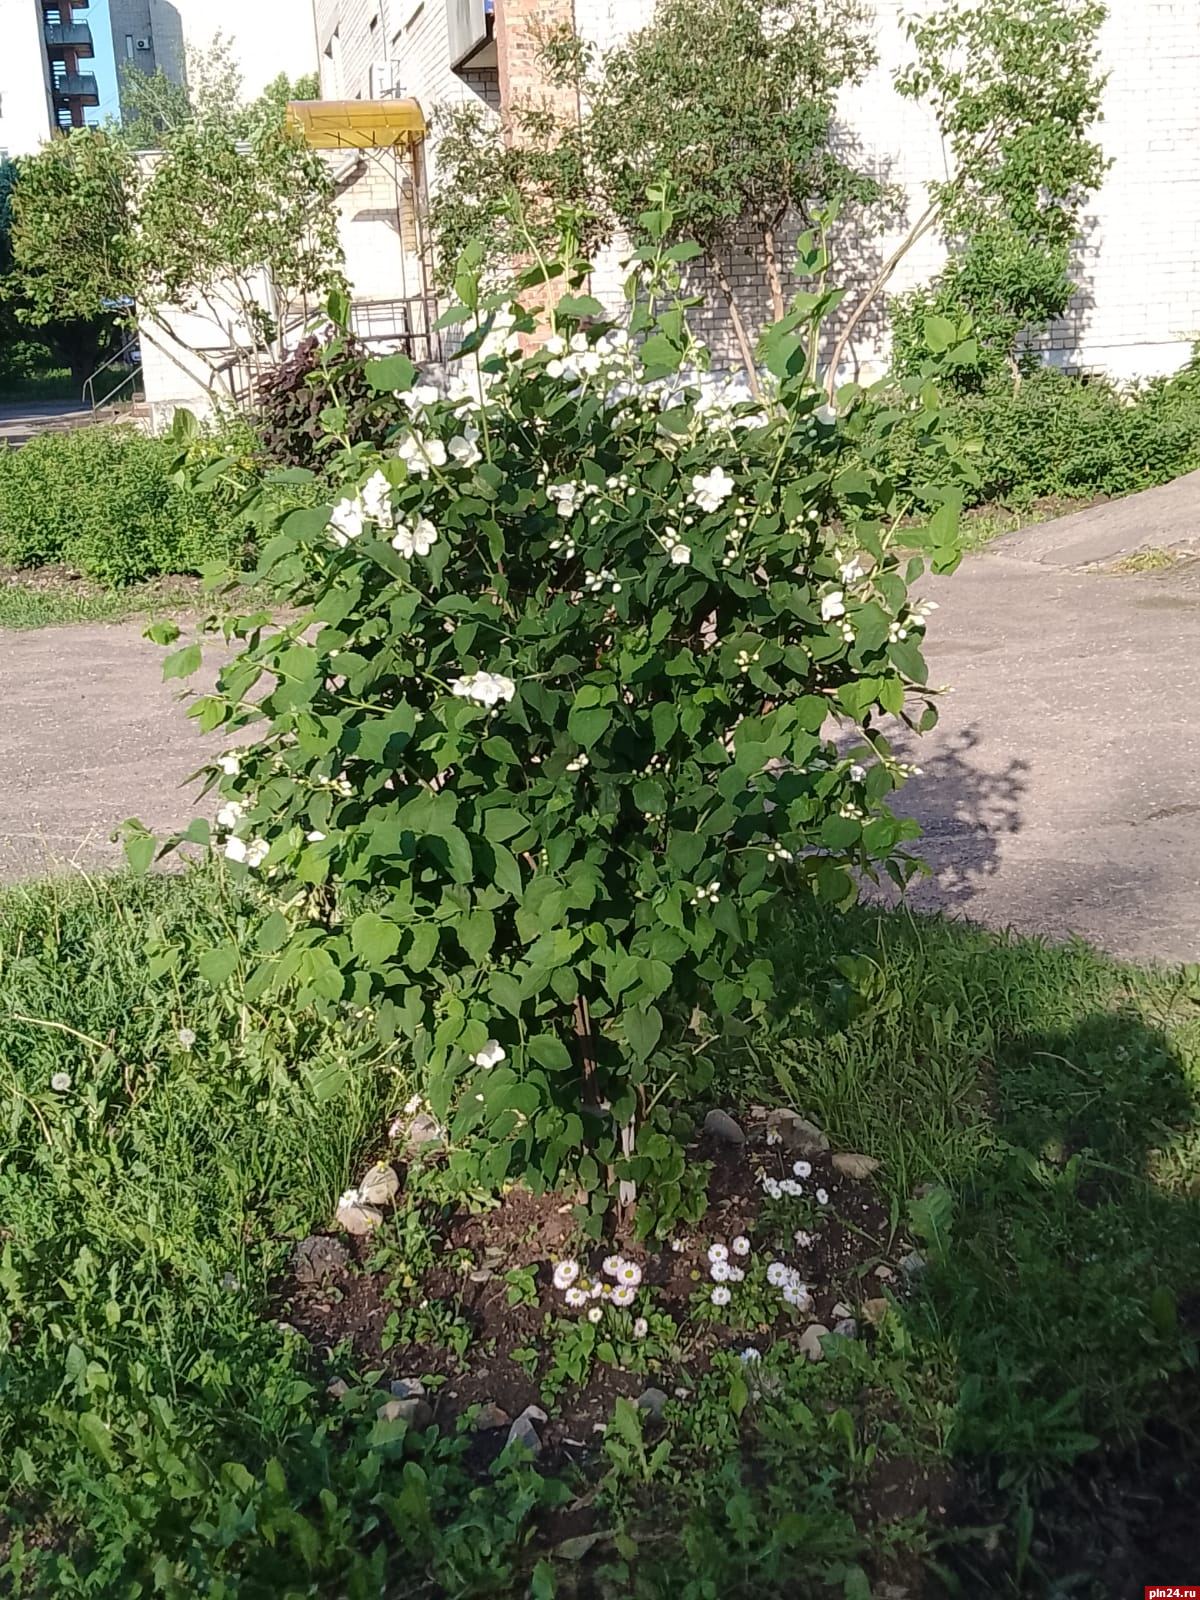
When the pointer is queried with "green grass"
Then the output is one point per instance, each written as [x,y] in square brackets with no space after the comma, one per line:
[1149,560]
[1034,1110]
[38,606]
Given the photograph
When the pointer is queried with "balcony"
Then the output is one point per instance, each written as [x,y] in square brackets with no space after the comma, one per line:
[64,36]
[77,86]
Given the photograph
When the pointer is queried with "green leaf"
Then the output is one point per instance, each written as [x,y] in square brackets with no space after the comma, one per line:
[940,334]
[374,939]
[182,663]
[218,965]
[579,306]
[643,1029]
[549,1051]
[477,935]
[162,632]
[390,373]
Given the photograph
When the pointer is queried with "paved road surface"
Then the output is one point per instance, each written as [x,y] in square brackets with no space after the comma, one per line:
[1060,792]
[20,422]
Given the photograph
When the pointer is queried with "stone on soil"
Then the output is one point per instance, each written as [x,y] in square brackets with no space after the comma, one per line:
[416,1412]
[379,1185]
[720,1125]
[524,1430]
[810,1341]
[318,1258]
[651,1400]
[799,1134]
[491,1416]
[857,1167]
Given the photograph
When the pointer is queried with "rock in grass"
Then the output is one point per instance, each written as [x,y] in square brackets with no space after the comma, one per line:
[338,1389]
[355,1216]
[418,1413]
[490,1416]
[720,1125]
[523,1429]
[651,1400]
[407,1389]
[419,1132]
[846,1327]
[379,1185]
[319,1258]
[857,1167]
[876,1310]
[799,1135]
[810,1341]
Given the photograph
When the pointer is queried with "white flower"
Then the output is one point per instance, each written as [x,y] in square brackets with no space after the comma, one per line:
[720,1295]
[719,1272]
[750,1354]
[640,1328]
[718,1252]
[777,1274]
[554,369]
[420,455]
[315,836]
[796,1294]
[418,540]
[492,1054]
[60,1082]
[771,1185]
[803,1169]
[711,489]
[229,765]
[346,520]
[485,688]
[235,850]
[851,571]
[567,497]
[857,772]
[741,1245]
[230,814]
[414,1105]
[822,1197]
[803,1239]
[257,851]
[577,1297]
[774,1136]
[623,1296]
[349,1197]
[565,1274]
[578,763]
[826,414]
[833,606]
[680,555]
[464,452]
[595,1313]
[555,345]
[423,395]
[376,500]
[186,1037]
[736,1275]
[612,1265]
[629,1273]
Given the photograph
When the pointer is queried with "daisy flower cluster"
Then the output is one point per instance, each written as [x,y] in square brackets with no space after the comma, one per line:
[580,1292]
[792,1187]
[723,1271]
[790,1285]
[484,688]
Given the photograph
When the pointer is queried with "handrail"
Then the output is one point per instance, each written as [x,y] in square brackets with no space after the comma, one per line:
[135,372]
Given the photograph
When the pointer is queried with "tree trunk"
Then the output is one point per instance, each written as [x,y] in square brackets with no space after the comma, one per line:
[739,327]
[775,281]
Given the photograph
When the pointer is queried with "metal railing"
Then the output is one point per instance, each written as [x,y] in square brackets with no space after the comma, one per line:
[121,358]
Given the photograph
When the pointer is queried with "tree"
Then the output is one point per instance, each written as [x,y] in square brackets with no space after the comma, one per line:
[733,102]
[1016,90]
[69,245]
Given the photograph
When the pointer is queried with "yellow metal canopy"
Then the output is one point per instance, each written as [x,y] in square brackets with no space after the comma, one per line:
[357,124]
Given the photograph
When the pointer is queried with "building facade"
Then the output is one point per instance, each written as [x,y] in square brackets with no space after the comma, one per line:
[45,85]
[1138,262]
[266,37]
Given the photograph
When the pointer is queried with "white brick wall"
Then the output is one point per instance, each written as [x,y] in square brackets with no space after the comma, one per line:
[1139,305]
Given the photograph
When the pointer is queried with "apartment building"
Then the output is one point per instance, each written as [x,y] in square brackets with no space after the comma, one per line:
[44,86]
[267,37]
[1138,311]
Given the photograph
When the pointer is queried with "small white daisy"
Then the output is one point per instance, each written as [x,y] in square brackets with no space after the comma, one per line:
[777,1274]
[822,1197]
[718,1252]
[640,1328]
[595,1313]
[613,1265]
[577,1297]
[629,1274]
[741,1245]
[720,1295]
[719,1271]
[623,1295]
[60,1082]
[803,1169]
[565,1274]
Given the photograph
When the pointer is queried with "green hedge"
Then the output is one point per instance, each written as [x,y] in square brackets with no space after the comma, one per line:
[102,500]
[1070,437]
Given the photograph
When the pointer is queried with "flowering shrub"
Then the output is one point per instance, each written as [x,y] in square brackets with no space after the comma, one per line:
[545,742]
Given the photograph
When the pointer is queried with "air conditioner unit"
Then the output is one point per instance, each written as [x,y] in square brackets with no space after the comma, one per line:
[384,81]
[142,44]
